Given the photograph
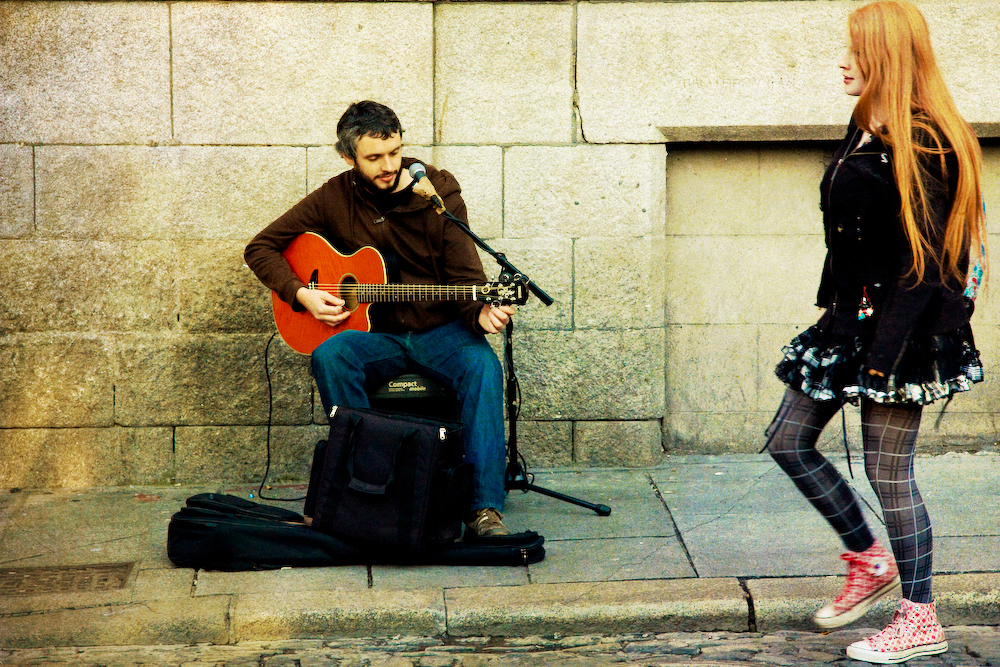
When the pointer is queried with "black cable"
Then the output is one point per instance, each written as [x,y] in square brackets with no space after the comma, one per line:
[270,408]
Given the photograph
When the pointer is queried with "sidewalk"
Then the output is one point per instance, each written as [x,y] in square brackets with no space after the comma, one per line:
[698,543]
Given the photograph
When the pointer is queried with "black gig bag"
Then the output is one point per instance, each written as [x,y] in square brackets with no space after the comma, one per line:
[390,481]
[215,539]
[228,533]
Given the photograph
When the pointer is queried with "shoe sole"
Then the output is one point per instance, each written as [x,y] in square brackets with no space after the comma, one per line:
[892,657]
[858,610]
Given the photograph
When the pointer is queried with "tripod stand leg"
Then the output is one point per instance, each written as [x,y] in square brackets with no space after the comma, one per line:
[516,477]
[600,510]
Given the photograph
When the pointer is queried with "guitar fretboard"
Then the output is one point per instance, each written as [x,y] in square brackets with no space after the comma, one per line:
[370,293]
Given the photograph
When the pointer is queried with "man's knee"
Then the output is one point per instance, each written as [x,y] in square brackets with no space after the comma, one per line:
[482,360]
[335,352]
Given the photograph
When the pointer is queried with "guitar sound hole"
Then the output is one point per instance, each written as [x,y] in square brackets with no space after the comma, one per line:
[349,292]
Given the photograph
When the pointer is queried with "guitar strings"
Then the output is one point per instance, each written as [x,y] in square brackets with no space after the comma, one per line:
[374,292]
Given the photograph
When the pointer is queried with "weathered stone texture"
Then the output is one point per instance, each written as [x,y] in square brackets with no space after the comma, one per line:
[341,613]
[742,279]
[691,69]
[218,292]
[712,367]
[209,380]
[715,432]
[545,443]
[84,72]
[730,191]
[188,192]
[17,196]
[591,374]
[148,454]
[265,73]
[503,73]
[479,170]
[238,454]
[617,443]
[81,286]
[618,283]
[52,380]
[68,457]
[646,65]
[576,191]
[61,457]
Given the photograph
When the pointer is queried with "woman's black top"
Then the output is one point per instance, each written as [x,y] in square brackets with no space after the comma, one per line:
[868,254]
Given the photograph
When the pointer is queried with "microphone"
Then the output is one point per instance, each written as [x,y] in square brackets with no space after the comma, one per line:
[423,187]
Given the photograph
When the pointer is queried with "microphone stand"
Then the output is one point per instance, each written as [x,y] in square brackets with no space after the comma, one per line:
[515,477]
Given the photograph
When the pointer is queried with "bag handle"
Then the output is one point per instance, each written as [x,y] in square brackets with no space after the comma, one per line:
[374,488]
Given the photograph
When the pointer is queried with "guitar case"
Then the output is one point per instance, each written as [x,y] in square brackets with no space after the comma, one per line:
[228,533]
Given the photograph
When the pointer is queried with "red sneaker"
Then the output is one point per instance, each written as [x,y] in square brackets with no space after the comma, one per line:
[914,631]
[871,575]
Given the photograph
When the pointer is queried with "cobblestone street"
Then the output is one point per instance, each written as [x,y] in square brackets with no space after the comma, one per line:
[968,646]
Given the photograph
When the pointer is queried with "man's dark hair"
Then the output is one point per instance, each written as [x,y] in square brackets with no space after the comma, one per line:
[362,119]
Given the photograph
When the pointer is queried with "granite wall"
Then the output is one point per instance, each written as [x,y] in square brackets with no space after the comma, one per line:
[652,165]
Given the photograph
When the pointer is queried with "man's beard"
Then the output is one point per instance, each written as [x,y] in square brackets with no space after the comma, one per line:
[373,186]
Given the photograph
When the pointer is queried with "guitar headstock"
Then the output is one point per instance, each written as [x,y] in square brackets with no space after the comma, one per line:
[502,294]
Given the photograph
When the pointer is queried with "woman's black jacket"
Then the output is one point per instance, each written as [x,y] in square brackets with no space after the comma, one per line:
[867,252]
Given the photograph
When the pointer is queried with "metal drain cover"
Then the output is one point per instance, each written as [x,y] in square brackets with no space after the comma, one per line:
[64,579]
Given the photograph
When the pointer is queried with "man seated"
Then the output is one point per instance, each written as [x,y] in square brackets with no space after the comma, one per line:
[373,204]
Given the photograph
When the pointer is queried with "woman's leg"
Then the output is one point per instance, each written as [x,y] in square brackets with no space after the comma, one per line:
[871,573]
[890,433]
[791,443]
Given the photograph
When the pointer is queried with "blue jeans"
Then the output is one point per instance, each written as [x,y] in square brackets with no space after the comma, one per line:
[451,354]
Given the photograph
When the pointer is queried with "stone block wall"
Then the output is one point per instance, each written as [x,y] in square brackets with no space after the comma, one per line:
[652,165]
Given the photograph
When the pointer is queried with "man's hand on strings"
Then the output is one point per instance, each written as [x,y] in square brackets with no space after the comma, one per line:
[324,306]
[494,320]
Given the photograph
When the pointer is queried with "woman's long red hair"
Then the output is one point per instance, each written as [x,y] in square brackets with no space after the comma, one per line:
[905,94]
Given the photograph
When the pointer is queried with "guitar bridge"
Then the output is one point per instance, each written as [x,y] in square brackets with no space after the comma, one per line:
[314,279]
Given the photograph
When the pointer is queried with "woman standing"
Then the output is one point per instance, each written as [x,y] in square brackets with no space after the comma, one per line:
[901,208]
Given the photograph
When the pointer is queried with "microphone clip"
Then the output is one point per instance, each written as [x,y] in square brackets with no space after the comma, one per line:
[423,187]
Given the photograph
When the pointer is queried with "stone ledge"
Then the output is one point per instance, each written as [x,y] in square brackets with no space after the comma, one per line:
[673,605]
[962,599]
[777,133]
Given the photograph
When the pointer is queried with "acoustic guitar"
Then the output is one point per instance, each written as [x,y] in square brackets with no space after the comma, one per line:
[361,279]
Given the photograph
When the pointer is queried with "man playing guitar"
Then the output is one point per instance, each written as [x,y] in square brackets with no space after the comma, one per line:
[373,204]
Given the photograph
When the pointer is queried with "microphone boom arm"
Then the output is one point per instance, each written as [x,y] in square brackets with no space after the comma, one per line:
[425,189]
[506,267]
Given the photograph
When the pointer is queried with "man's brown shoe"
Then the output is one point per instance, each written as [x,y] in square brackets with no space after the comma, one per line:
[486,522]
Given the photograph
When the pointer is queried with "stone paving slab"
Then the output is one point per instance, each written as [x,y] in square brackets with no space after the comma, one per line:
[618,559]
[442,576]
[289,580]
[684,549]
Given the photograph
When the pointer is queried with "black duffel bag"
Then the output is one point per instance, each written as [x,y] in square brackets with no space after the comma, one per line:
[385,480]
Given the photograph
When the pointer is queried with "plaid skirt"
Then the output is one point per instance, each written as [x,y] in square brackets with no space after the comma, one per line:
[828,368]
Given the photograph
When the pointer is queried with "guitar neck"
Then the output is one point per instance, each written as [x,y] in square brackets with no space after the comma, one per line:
[377,293]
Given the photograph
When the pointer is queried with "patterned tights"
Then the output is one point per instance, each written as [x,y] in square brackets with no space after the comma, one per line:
[889,433]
